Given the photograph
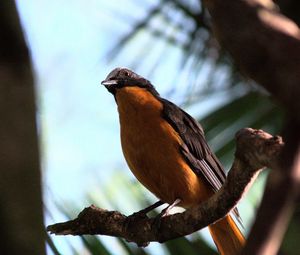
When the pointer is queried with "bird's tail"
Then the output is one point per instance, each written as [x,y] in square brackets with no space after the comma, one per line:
[227,236]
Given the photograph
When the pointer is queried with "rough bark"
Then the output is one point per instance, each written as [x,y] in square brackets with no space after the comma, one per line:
[266,47]
[255,150]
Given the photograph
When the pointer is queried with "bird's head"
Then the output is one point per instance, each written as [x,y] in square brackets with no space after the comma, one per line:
[122,77]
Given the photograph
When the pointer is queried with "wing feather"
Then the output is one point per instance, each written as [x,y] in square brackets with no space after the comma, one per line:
[195,148]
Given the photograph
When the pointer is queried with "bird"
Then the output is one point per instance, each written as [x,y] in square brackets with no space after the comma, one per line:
[166,150]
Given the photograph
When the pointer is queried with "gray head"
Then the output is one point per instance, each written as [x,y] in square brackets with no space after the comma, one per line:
[121,77]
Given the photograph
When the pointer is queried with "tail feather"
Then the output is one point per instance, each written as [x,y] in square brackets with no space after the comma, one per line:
[227,236]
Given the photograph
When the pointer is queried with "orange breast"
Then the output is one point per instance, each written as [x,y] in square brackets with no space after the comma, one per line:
[151,149]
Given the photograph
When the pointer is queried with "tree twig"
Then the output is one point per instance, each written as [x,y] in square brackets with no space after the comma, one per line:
[255,150]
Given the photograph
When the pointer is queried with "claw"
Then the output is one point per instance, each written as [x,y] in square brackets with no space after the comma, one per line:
[142,214]
[164,212]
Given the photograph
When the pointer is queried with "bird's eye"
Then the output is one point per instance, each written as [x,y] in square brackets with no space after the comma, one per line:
[126,73]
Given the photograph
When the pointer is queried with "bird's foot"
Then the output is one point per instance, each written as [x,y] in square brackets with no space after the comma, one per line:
[141,215]
[165,212]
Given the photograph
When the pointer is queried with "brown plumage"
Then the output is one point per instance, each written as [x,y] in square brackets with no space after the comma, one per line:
[166,150]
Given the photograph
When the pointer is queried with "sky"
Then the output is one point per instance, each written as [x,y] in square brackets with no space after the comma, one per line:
[78,121]
[78,118]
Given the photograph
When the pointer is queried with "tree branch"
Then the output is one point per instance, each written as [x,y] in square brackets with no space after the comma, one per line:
[255,150]
[280,197]
[266,47]
[21,212]
[264,44]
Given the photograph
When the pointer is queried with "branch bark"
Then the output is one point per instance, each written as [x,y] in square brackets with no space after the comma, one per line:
[255,150]
[266,47]
[279,200]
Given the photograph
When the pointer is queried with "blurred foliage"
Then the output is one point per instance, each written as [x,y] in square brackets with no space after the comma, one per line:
[184,25]
[209,73]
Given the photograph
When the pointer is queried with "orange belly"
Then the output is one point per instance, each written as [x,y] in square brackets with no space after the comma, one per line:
[152,149]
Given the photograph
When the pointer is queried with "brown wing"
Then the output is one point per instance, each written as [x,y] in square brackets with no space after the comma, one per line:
[195,148]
